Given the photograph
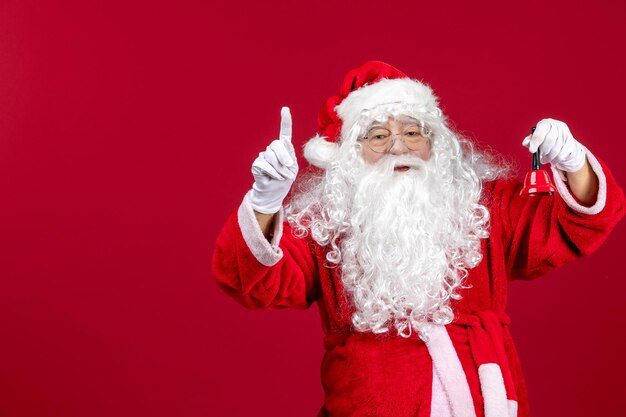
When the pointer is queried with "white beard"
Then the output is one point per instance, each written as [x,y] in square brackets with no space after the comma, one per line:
[404,240]
[397,254]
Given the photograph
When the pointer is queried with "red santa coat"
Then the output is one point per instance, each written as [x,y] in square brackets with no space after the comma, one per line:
[467,368]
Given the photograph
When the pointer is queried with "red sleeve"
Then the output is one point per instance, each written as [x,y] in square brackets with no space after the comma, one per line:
[262,274]
[541,233]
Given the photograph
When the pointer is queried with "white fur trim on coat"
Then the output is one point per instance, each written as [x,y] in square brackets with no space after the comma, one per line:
[267,253]
[494,392]
[450,371]
[439,403]
[561,186]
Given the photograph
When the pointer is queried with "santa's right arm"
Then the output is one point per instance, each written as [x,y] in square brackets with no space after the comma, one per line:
[257,260]
[262,273]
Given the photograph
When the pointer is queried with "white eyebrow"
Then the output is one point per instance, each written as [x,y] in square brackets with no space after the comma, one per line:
[404,120]
[376,123]
[407,120]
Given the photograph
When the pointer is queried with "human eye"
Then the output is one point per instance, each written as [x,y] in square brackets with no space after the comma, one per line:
[413,132]
[378,134]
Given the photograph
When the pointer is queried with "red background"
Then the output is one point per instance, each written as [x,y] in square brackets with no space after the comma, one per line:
[127,130]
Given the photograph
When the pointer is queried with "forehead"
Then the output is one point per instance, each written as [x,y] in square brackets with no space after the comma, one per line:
[403,120]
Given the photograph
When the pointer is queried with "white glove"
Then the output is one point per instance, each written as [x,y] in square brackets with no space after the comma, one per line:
[557,145]
[274,170]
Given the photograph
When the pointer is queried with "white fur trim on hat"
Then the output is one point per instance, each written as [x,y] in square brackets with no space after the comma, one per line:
[386,91]
[409,93]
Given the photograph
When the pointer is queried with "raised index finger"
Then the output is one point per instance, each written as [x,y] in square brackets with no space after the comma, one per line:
[285,124]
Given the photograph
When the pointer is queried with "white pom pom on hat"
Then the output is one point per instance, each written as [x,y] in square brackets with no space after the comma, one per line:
[320,152]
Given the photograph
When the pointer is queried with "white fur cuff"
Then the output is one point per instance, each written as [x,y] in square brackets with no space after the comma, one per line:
[567,195]
[267,253]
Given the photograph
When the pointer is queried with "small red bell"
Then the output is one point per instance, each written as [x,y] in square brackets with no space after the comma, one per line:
[537,181]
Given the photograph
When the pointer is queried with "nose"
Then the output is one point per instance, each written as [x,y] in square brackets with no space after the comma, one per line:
[398,147]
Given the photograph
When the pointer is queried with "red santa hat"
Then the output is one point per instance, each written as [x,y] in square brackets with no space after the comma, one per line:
[366,87]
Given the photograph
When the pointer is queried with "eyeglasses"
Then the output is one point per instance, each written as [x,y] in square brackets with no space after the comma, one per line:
[381,140]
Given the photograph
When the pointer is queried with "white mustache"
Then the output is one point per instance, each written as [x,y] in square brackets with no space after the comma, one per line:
[389,162]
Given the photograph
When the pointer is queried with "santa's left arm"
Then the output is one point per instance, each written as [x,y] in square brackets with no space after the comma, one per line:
[583,184]
[568,158]
[542,232]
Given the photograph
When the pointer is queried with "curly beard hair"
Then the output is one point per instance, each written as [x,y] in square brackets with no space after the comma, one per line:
[404,240]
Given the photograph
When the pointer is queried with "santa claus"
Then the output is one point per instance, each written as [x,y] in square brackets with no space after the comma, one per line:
[406,236]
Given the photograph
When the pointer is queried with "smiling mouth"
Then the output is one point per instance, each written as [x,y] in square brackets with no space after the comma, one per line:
[401,168]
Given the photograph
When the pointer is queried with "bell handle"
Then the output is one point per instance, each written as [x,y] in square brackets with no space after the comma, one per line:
[536,155]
